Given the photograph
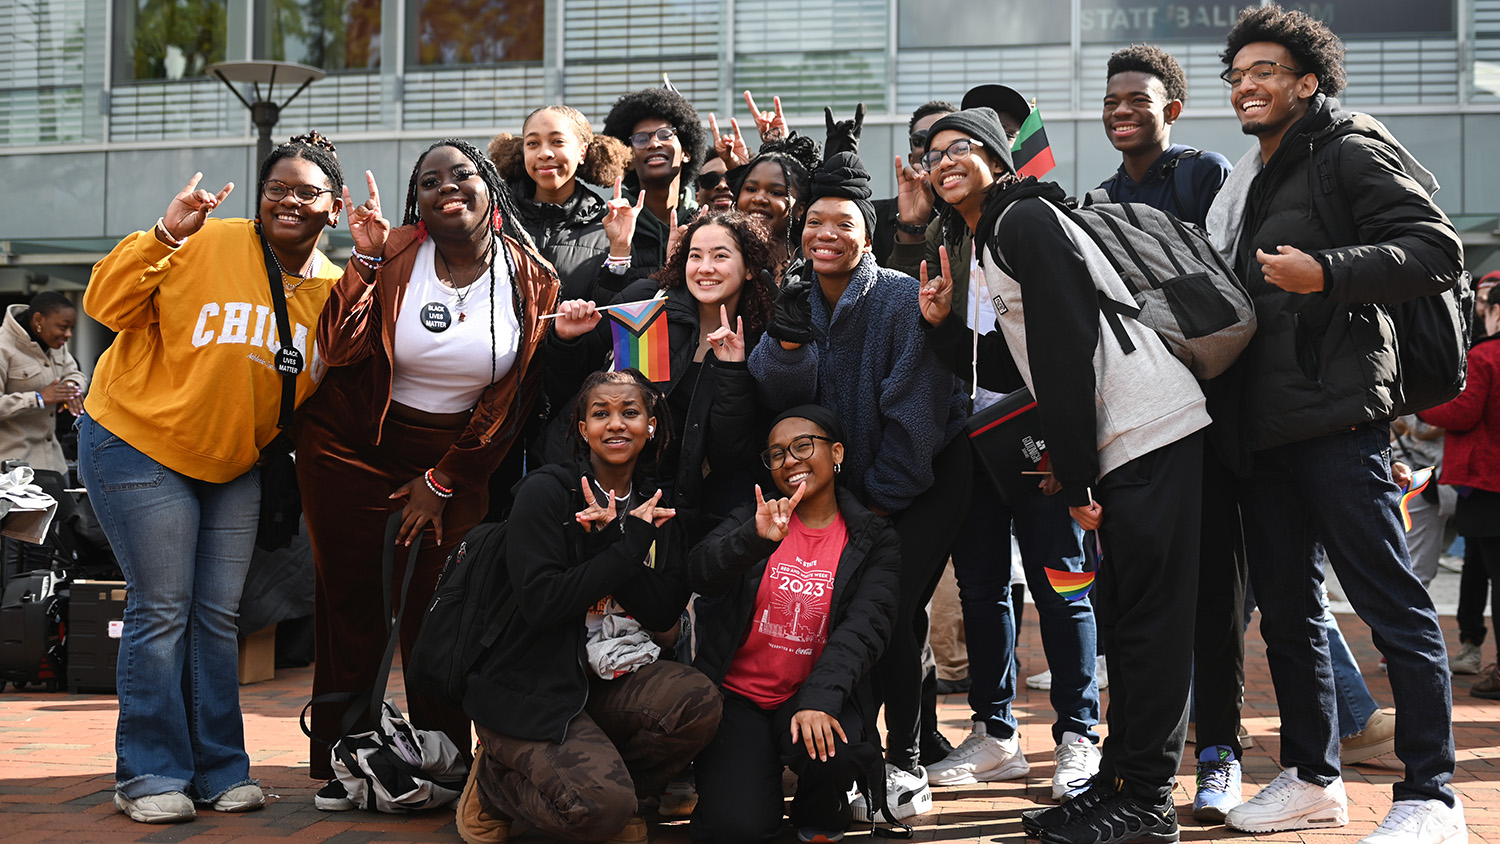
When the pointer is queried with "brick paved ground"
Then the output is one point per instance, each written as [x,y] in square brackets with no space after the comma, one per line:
[56,759]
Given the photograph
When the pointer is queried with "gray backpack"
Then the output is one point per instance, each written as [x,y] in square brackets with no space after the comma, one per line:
[1182,289]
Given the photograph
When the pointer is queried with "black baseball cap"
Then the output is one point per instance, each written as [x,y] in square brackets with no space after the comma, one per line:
[1000,98]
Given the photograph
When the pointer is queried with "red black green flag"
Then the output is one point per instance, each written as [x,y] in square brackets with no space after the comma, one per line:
[1031,152]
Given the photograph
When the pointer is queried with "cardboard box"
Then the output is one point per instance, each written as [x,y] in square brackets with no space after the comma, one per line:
[258,656]
[96,613]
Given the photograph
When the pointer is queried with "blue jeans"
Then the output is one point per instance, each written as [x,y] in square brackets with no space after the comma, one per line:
[184,546]
[1048,538]
[1335,491]
[1356,705]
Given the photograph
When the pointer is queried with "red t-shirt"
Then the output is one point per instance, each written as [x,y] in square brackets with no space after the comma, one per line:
[790,624]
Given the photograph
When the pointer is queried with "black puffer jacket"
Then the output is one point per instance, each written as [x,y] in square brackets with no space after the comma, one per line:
[1324,361]
[537,671]
[728,565]
[570,235]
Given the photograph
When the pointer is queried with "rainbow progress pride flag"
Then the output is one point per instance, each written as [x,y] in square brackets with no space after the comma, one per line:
[1419,481]
[640,336]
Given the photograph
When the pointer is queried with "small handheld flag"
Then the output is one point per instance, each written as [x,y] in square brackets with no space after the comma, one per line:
[1419,481]
[1075,585]
[1031,151]
[640,338]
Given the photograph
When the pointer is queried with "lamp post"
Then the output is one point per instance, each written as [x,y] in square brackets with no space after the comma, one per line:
[264,112]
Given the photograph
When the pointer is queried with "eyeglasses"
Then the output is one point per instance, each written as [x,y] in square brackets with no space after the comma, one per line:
[918,138]
[709,181]
[956,151]
[275,191]
[1257,71]
[641,140]
[800,448]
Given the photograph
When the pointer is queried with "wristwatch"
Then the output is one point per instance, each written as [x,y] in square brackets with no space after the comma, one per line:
[914,229]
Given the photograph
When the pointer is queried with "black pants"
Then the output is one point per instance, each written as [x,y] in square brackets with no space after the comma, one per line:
[927,529]
[1145,598]
[1473,594]
[1219,634]
[739,776]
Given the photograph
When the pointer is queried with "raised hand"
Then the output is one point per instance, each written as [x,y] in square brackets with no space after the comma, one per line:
[791,315]
[843,135]
[913,195]
[596,516]
[936,295]
[730,148]
[190,208]
[772,124]
[728,345]
[619,221]
[773,519]
[575,318]
[367,225]
[649,512]
[675,234]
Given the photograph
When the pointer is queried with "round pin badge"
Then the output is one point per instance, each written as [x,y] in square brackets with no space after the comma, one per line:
[288,361]
[436,317]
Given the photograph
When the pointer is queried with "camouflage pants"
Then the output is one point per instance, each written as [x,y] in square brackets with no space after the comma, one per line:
[632,736]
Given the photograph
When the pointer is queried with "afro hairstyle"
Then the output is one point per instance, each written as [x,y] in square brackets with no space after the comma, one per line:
[1152,61]
[928,108]
[630,109]
[1312,44]
[607,158]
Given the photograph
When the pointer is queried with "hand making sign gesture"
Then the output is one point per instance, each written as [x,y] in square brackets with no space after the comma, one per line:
[190,208]
[366,223]
[936,295]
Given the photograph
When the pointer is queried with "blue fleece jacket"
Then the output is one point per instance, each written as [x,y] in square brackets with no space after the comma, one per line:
[870,364]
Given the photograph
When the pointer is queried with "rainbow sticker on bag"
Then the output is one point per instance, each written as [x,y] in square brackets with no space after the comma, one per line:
[1419,481]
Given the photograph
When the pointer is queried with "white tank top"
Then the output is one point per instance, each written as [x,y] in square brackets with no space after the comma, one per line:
[445,371]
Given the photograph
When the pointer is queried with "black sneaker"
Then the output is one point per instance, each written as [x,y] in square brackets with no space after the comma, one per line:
[1119,820]
[333,797]
[1033,821]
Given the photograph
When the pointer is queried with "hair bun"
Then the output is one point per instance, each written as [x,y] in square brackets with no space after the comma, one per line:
[315,139]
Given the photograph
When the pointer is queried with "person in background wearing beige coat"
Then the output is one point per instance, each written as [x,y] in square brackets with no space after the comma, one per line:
[40,378]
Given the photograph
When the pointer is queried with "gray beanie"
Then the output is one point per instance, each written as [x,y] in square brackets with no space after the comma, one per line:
[982,125]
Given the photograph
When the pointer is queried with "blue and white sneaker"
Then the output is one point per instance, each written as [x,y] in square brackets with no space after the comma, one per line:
[1218,784]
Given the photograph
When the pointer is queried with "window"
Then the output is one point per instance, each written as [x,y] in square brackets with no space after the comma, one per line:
[964,23]
[168,39]
[328,34]
[463,32]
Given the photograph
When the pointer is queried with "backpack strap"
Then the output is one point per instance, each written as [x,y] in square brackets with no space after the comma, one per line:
[1171,168]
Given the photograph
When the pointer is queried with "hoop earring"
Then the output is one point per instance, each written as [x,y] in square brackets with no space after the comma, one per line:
[838,467]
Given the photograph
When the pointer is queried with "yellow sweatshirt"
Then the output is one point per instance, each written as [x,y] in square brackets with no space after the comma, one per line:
[191,378]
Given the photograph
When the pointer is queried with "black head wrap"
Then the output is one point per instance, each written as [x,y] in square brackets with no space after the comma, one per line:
[982,125]
[818,415]
[843,176]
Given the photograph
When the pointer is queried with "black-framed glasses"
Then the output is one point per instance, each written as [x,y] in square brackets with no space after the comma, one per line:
[800,448]
[641,140]
[918,138]
[1257,71]
[956,151]
[275,191]
[709,181]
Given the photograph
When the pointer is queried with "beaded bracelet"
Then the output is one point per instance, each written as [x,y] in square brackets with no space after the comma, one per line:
[371,261]
[437,489]
[165,236]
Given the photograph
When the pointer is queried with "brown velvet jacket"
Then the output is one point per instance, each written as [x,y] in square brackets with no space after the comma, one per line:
[359,324]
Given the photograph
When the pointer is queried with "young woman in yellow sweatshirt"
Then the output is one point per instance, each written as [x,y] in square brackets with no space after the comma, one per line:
[181,405]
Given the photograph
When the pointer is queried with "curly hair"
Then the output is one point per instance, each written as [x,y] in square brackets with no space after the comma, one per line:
[754,241]
[651,398]
[1152,61]
[605,160]
[312,147]
[1312,44]
[929,108]
[630,109]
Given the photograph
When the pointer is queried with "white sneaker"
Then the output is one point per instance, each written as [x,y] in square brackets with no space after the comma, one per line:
[906,793]
[1289,803]
[1077,762]
[981,758]
[1101,673]
[241,798]
[170,807]
[1421,822]
[1043,681]
[1468,660]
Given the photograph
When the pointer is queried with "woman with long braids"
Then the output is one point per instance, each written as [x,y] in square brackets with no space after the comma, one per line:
[183,401]
[430,338]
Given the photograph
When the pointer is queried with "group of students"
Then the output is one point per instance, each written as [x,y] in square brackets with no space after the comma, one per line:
[731,565]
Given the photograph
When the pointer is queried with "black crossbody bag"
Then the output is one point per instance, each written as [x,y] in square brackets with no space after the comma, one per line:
[280,499]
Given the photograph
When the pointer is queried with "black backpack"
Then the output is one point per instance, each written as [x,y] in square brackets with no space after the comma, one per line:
[470,607]
[1432,332]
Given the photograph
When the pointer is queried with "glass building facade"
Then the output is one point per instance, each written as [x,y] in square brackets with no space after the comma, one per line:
[105,111]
